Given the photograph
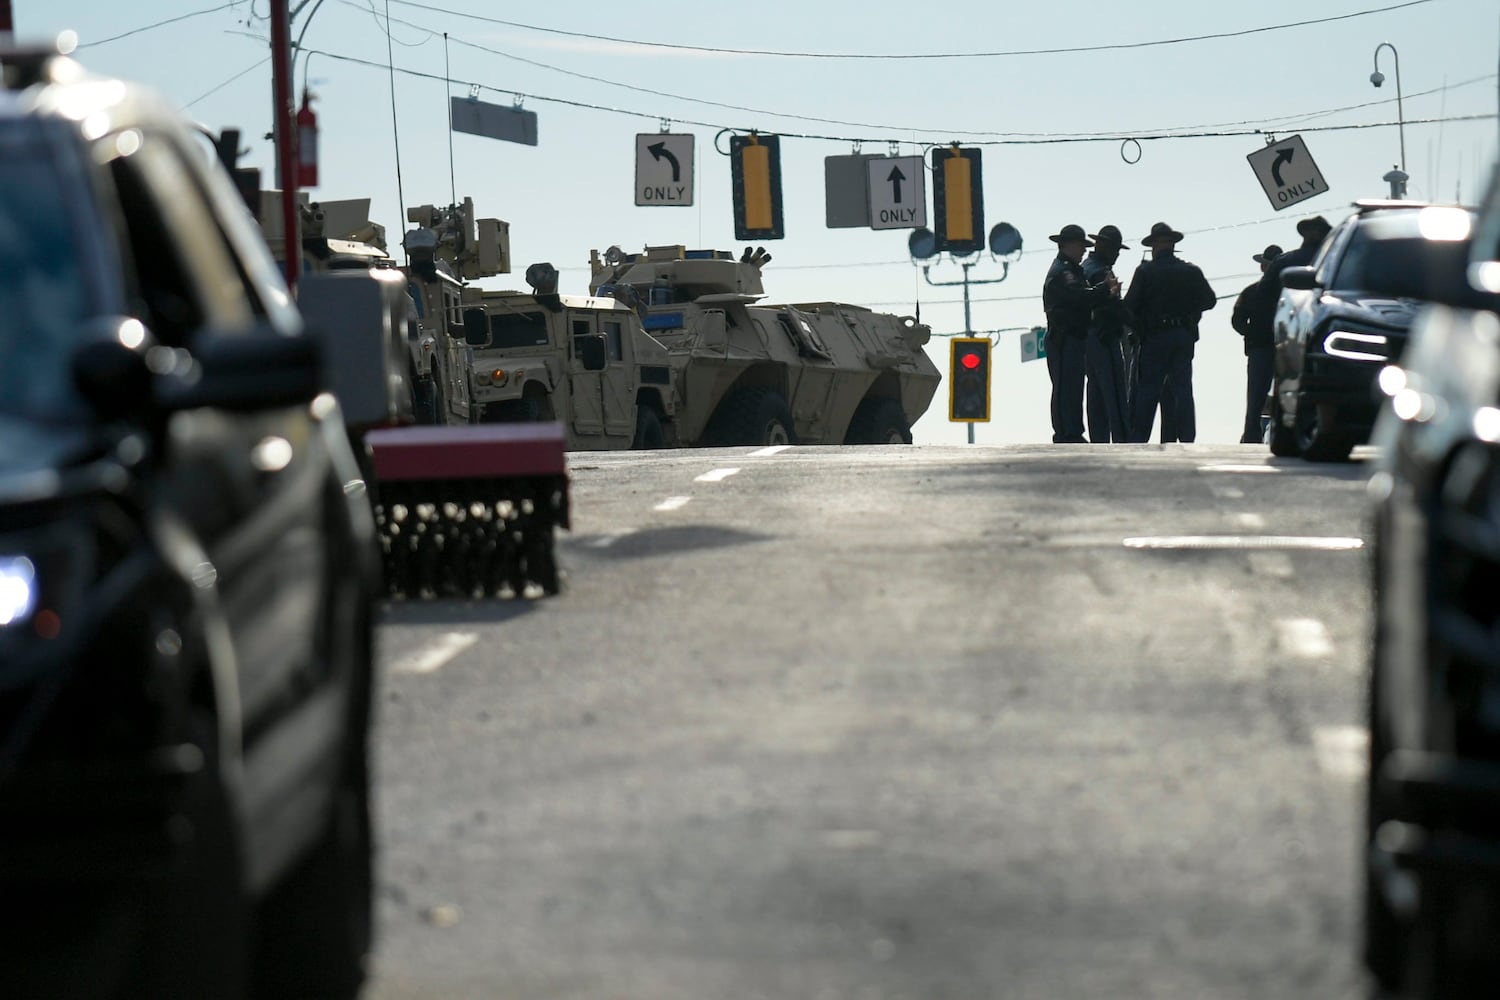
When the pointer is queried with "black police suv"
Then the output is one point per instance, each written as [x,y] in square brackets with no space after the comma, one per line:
[185,585]
[1432,840]
[1334,333]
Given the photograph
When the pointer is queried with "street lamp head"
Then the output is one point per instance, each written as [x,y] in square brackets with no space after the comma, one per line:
[1377,78]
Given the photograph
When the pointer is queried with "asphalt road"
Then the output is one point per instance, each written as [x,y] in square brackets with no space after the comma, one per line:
[941,722]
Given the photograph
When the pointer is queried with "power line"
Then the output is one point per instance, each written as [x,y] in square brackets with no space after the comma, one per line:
[719,50]
[215,90]
[160,24]
[1039,141]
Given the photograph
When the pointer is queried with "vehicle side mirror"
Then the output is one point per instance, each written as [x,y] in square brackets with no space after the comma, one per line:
[476,328]
[1302,278]
[246,372]
[590,349]
[111,370]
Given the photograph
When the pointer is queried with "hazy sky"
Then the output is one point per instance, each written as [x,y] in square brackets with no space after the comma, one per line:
[574,191]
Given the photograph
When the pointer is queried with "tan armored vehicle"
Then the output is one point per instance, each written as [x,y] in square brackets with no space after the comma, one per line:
[671,349]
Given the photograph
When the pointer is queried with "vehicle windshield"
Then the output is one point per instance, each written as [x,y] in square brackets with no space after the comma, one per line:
[518,329]
[44,295]
[1394,245]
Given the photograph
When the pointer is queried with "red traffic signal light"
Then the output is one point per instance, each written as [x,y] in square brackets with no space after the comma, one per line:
[969,380]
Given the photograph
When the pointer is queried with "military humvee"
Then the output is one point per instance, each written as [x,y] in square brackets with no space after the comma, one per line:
[670,349]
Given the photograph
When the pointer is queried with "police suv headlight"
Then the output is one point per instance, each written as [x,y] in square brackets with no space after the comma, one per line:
[18,590]
[1353,345]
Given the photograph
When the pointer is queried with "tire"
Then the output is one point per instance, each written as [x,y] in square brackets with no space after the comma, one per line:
[424,400]
[648,432]
[1318,438]
[316,926]
[1282,439]
[878,421]
[755,416]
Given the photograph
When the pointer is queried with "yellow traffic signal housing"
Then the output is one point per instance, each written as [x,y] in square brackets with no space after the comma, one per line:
[755,170]
[957,200]
[969,380]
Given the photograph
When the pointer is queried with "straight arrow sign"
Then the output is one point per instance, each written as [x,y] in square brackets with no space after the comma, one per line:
[898,192]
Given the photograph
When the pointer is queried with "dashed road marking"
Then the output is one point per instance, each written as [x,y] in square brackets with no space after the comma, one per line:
[1246,469]
[1250,522]
[673,503]
[605,541]
[1304,637]
[432,660]
[1320,544]
[717,475]
[774,449]
[1342,751]
[1227,492]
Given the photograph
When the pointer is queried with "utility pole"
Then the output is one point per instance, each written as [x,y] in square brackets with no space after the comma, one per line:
[284,124]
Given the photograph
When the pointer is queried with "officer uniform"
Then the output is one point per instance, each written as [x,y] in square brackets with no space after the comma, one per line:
[1167,297]
[1104,358]
[1313,230]
[1068,300]
[1252,316]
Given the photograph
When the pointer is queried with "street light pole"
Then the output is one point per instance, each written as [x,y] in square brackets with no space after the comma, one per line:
[1377,78]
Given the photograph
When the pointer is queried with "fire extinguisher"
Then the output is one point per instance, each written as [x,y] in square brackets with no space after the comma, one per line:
[307,143]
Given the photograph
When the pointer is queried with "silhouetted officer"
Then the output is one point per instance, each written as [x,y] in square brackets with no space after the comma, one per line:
[1313,230]
[1104,358]
[1167,297]
[1253,312]
[1068,299]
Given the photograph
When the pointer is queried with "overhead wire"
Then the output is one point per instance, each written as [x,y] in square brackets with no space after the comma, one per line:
[1036,141]
[161,24]
[786,54]
[214,90]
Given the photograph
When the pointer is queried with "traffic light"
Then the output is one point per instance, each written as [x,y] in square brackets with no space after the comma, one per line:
[957,200]
[755,170]
[969,380]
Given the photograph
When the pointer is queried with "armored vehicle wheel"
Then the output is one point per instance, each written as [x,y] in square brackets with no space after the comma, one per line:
[878,421]
[1282,439]
[1319,439]
[753,415]
[425,401]
[648,433]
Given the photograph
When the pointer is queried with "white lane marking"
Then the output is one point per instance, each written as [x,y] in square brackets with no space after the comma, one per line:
[715,476]
[1342,751]
[1304,637]
[1250,522]
[605,541]
[431,660]
[1272,564]
[673,503]
[774,449]
[1247,469]
[1244,542]
[1227,492]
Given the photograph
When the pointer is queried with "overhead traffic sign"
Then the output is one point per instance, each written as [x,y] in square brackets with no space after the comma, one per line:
[664,169]
[957,200]
[493,121]
[846,195]
[898,192]
[1287,172]
[755,172]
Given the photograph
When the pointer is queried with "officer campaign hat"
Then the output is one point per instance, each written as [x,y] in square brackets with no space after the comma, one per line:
[1267,255]
[1307,226]
[1110,234]
[1161,233]
[1069,233]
